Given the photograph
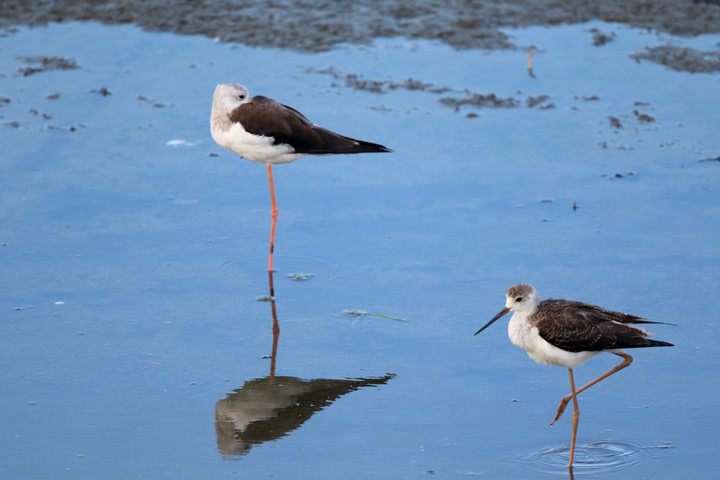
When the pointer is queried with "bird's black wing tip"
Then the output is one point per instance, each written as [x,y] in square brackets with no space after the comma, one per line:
[646,321]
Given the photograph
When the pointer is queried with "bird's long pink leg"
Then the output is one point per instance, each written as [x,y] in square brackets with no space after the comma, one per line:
[575,417]
[274,214]
[627,360]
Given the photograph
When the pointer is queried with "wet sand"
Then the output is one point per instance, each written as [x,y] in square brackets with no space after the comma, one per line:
[319,26]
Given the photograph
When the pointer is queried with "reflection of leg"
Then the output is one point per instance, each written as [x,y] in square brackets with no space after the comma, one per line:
[275,327]
[276,336]
[530,61]
[575,417]
[627,360]
[274,215]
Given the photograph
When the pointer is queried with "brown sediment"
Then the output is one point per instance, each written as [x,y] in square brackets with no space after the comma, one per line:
[319,26]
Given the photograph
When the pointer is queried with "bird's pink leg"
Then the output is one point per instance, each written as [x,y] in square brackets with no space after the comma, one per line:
[273,214]
[575,418]
[627,360]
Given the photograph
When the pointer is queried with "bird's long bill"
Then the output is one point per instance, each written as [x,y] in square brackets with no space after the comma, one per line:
[500,314]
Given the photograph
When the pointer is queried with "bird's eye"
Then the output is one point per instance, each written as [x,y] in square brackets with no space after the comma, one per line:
[518,299]
[241,96]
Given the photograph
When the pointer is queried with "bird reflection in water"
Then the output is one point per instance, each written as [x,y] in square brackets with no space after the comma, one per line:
[265,409]
[268,408]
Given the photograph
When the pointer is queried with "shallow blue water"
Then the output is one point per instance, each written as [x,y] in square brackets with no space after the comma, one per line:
[132,268]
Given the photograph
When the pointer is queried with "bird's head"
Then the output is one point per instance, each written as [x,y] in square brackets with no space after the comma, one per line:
[521,298]
[229,96]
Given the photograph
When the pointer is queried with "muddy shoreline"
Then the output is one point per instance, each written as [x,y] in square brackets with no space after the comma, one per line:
[319,26]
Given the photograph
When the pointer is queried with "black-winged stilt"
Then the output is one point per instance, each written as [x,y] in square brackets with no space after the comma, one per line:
[265,131]
[566,334]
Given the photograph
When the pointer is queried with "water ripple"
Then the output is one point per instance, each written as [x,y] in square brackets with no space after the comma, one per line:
[597,457]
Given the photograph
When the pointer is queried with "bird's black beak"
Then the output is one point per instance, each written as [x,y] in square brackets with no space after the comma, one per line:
[500,314]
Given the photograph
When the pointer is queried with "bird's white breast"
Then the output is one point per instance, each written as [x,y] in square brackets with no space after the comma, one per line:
[527,337]
[256,148]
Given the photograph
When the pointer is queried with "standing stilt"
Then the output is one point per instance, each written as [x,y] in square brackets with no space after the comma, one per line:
[566,333]
[274,215]
[265,131]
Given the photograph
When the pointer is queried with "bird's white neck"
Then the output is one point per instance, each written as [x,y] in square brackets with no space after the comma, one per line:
[521,332]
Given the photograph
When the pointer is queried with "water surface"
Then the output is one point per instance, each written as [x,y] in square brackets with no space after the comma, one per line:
[134,253]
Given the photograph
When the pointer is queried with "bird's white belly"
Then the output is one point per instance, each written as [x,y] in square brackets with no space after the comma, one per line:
[254,147]
[528,338]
